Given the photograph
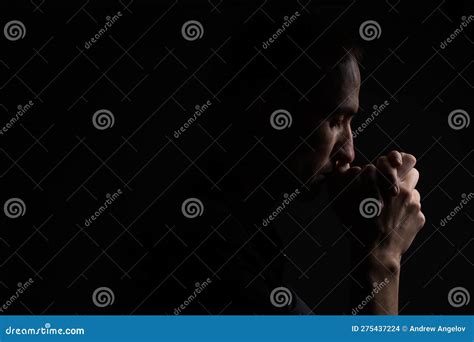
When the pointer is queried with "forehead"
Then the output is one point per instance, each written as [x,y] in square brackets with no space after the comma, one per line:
[342,86]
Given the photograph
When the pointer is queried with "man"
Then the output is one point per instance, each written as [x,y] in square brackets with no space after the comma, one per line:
[391,181]
[242,261]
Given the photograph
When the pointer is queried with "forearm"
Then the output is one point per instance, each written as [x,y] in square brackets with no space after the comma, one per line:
[376,284]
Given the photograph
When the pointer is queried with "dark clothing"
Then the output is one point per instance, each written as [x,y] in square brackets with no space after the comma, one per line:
[239,261]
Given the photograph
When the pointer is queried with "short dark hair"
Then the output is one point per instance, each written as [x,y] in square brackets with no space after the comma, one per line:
[280,75]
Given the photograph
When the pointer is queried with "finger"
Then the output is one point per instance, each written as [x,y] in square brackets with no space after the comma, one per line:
[347,171]
[411,179]
[408,162]
[369,170]
[343,168]
[353,170]
[388,176]
[416,196]
[422,219]
[339,175]
[368,175]
[395,158]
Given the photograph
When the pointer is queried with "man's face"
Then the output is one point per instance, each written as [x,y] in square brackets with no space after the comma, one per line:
[330,146]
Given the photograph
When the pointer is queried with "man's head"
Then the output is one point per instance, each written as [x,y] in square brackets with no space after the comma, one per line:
[310,72]
[326,128]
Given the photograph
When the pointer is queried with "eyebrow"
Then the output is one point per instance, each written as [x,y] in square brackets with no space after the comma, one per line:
[345,110]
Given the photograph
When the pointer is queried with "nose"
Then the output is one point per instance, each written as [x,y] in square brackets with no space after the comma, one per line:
[345,148]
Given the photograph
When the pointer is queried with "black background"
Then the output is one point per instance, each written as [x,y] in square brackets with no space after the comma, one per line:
[151,79]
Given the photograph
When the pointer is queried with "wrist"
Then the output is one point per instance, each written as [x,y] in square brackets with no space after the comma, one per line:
[377,275]
[384,263]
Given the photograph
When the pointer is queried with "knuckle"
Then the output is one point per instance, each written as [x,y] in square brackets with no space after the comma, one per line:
[382,162]
[411,157]
[416,206]
[405,194]
[413,174]
[370,167]
[395,154]
[422,219]
[370,170]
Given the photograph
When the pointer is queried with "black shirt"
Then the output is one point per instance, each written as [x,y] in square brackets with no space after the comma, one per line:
[231,264]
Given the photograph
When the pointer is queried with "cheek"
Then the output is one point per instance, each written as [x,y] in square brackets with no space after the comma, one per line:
[315,154]
[322,142]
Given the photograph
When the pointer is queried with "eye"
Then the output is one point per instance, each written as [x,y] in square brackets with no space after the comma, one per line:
[336,120]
